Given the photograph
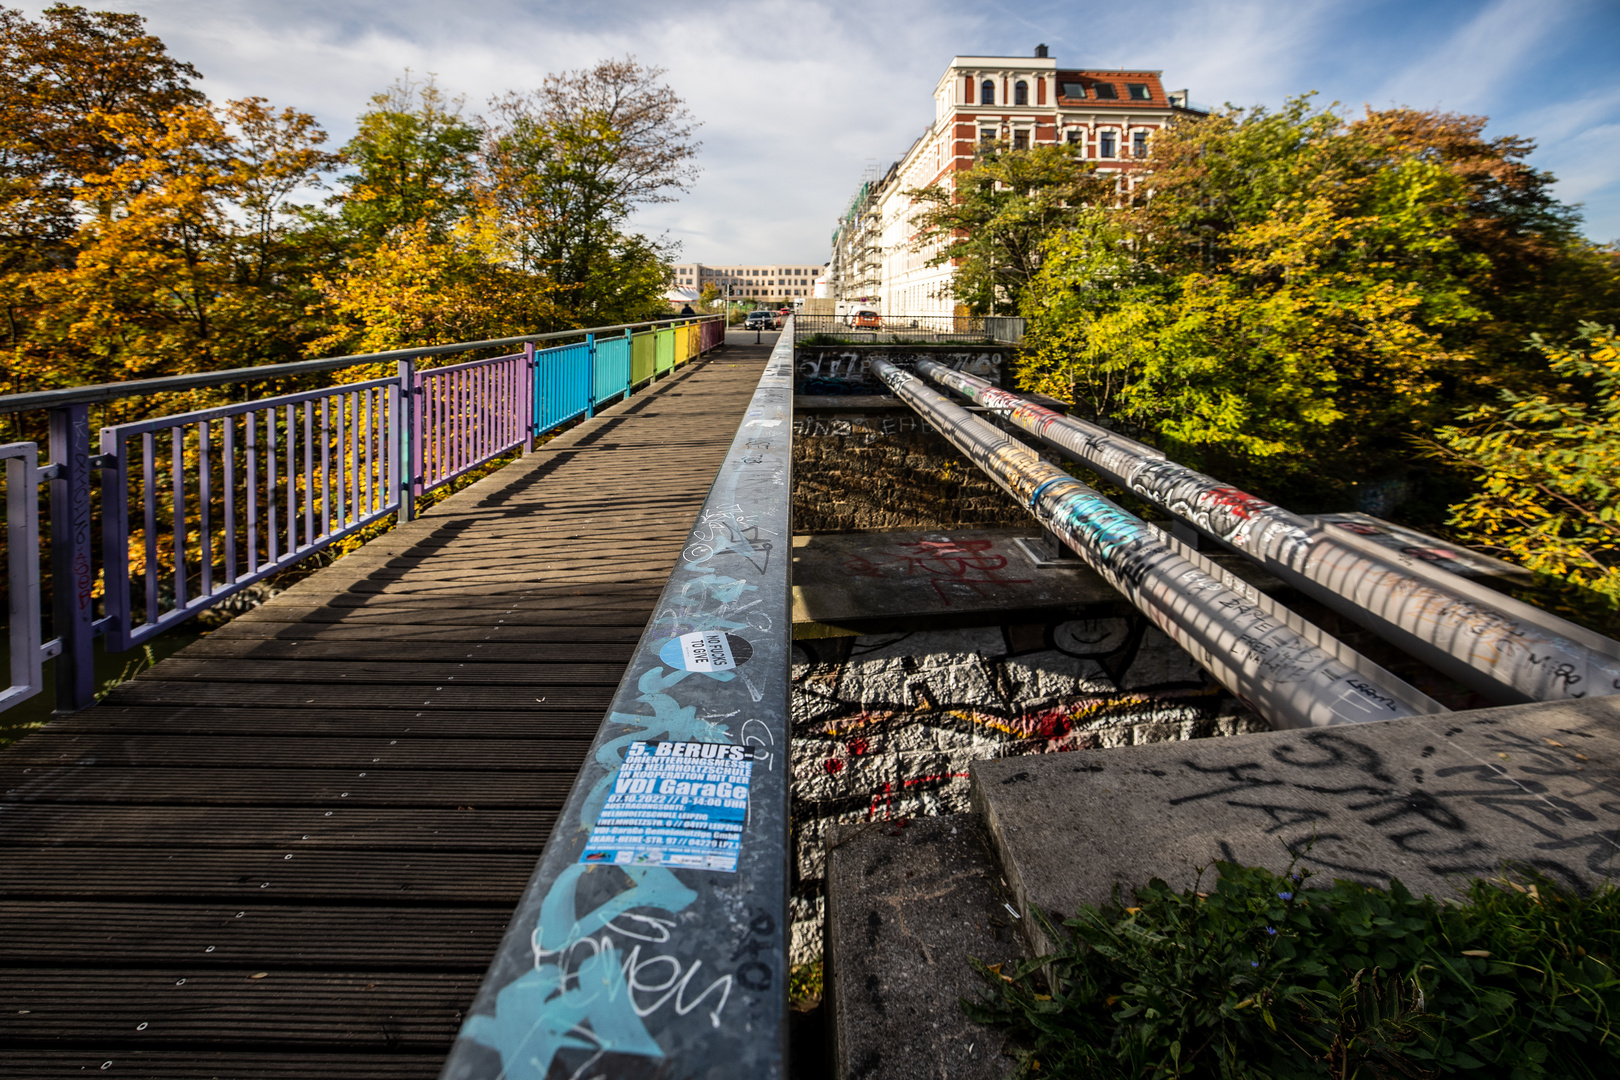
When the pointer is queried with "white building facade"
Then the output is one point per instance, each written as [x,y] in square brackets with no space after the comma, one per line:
[1110,116]
[785,282]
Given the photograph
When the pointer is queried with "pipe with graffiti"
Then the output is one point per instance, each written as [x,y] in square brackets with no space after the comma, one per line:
[1482,641]
[1292,674]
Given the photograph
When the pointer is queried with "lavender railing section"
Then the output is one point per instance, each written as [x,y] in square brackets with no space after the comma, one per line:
[470,414]
[198,506]
[234,494]
[28,656]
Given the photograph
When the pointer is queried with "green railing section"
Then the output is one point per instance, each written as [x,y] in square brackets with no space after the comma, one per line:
[666,350]
[642,348]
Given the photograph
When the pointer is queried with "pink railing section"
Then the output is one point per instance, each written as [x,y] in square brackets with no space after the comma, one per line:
[469,414]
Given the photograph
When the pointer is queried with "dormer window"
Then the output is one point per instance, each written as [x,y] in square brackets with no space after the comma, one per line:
[1138,91]
[987,93]
[1021,93]
[1105,91]
[1074,90]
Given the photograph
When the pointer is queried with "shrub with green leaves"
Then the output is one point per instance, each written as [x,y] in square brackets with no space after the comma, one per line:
[1267,977]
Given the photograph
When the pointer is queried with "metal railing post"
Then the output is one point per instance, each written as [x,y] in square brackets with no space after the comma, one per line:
[590,374]
[407,448]
[72,574]
[528,398]
[629,362]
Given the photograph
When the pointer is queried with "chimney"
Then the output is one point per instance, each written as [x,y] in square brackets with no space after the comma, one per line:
[1040,52]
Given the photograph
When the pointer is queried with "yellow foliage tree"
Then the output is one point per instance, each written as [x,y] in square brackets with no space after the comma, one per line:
[1548,466]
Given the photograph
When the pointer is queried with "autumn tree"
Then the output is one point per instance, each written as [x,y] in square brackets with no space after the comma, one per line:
[1547,465]
[1293,297]
[993,221]
[566,166]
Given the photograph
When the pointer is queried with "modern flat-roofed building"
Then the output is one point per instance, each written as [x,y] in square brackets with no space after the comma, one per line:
[1110,116]
[787,282]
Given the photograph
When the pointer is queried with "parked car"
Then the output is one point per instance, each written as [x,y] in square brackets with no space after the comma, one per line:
[866,319]
[761,320]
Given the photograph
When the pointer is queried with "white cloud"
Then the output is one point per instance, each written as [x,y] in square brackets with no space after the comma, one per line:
[797,96]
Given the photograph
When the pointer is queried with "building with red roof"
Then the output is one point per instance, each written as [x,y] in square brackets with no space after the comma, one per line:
[1111,116]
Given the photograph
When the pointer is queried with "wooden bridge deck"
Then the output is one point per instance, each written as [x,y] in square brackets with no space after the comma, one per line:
[290,850]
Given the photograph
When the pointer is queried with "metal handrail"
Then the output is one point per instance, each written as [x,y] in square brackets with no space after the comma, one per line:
[658,915]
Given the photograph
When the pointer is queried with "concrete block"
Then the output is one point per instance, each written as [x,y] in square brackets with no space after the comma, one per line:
[906,906]
[838,577]
[1433,801]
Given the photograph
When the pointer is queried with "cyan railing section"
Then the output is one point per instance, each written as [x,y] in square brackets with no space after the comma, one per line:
[197,506]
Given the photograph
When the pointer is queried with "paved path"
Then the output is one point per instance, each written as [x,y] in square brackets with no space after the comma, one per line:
[290,849]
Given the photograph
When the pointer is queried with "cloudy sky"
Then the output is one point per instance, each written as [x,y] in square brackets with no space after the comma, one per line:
[798,97]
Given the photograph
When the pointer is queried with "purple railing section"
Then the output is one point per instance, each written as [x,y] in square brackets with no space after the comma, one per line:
[469,414]
[234,494]
[200,505]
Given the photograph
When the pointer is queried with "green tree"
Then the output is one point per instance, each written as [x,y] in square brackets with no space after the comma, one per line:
[996,217]
[414,160]
[1293,297]
[1548,469]
[566,165]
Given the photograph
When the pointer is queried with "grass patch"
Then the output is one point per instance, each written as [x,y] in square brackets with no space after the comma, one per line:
[1265,976]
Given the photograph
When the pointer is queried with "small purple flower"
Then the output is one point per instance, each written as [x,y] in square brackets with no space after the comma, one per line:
[1270,931]
[1254,963]
[1285,896]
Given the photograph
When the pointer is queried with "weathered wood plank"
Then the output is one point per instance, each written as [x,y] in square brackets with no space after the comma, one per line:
[283,828]
[404,725]
[70,933]
[292,786]
[349,672]
[254,876]
[68,746]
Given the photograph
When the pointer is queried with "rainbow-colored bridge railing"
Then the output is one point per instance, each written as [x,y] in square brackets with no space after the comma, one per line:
[173,513]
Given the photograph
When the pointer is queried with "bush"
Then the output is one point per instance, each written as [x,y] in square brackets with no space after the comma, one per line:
[1265,977]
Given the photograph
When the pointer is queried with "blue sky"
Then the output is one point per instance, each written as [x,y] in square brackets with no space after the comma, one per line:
[798,97]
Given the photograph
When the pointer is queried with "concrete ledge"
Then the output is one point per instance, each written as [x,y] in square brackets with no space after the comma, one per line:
[1432,801]
[907,905]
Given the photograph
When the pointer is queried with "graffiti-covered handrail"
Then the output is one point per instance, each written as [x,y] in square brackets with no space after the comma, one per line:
[196,506]
[652,938]
[1282,667]
[1492,643]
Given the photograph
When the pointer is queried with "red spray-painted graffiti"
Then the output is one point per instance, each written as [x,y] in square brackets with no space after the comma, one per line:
[948,565]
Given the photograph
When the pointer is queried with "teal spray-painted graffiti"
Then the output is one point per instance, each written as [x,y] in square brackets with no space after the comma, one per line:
[546,1009]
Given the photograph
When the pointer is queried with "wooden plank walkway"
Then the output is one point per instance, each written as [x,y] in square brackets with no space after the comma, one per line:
[290,850]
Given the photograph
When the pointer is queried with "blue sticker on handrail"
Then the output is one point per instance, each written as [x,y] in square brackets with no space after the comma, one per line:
[680,805]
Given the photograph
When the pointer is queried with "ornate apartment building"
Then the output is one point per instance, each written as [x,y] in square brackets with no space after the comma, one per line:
[1111,116]
[786,282]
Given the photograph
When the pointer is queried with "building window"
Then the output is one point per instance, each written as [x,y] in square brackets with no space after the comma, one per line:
[1105,92]
[1074,137]
[1020,140]
[1106,144]
[1021,93]
[987,93]
[1138,91]
[1074,90]
[987,136]
[1139,143]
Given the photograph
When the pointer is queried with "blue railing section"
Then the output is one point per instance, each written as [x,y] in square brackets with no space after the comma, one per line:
[562,384]
[612,367]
